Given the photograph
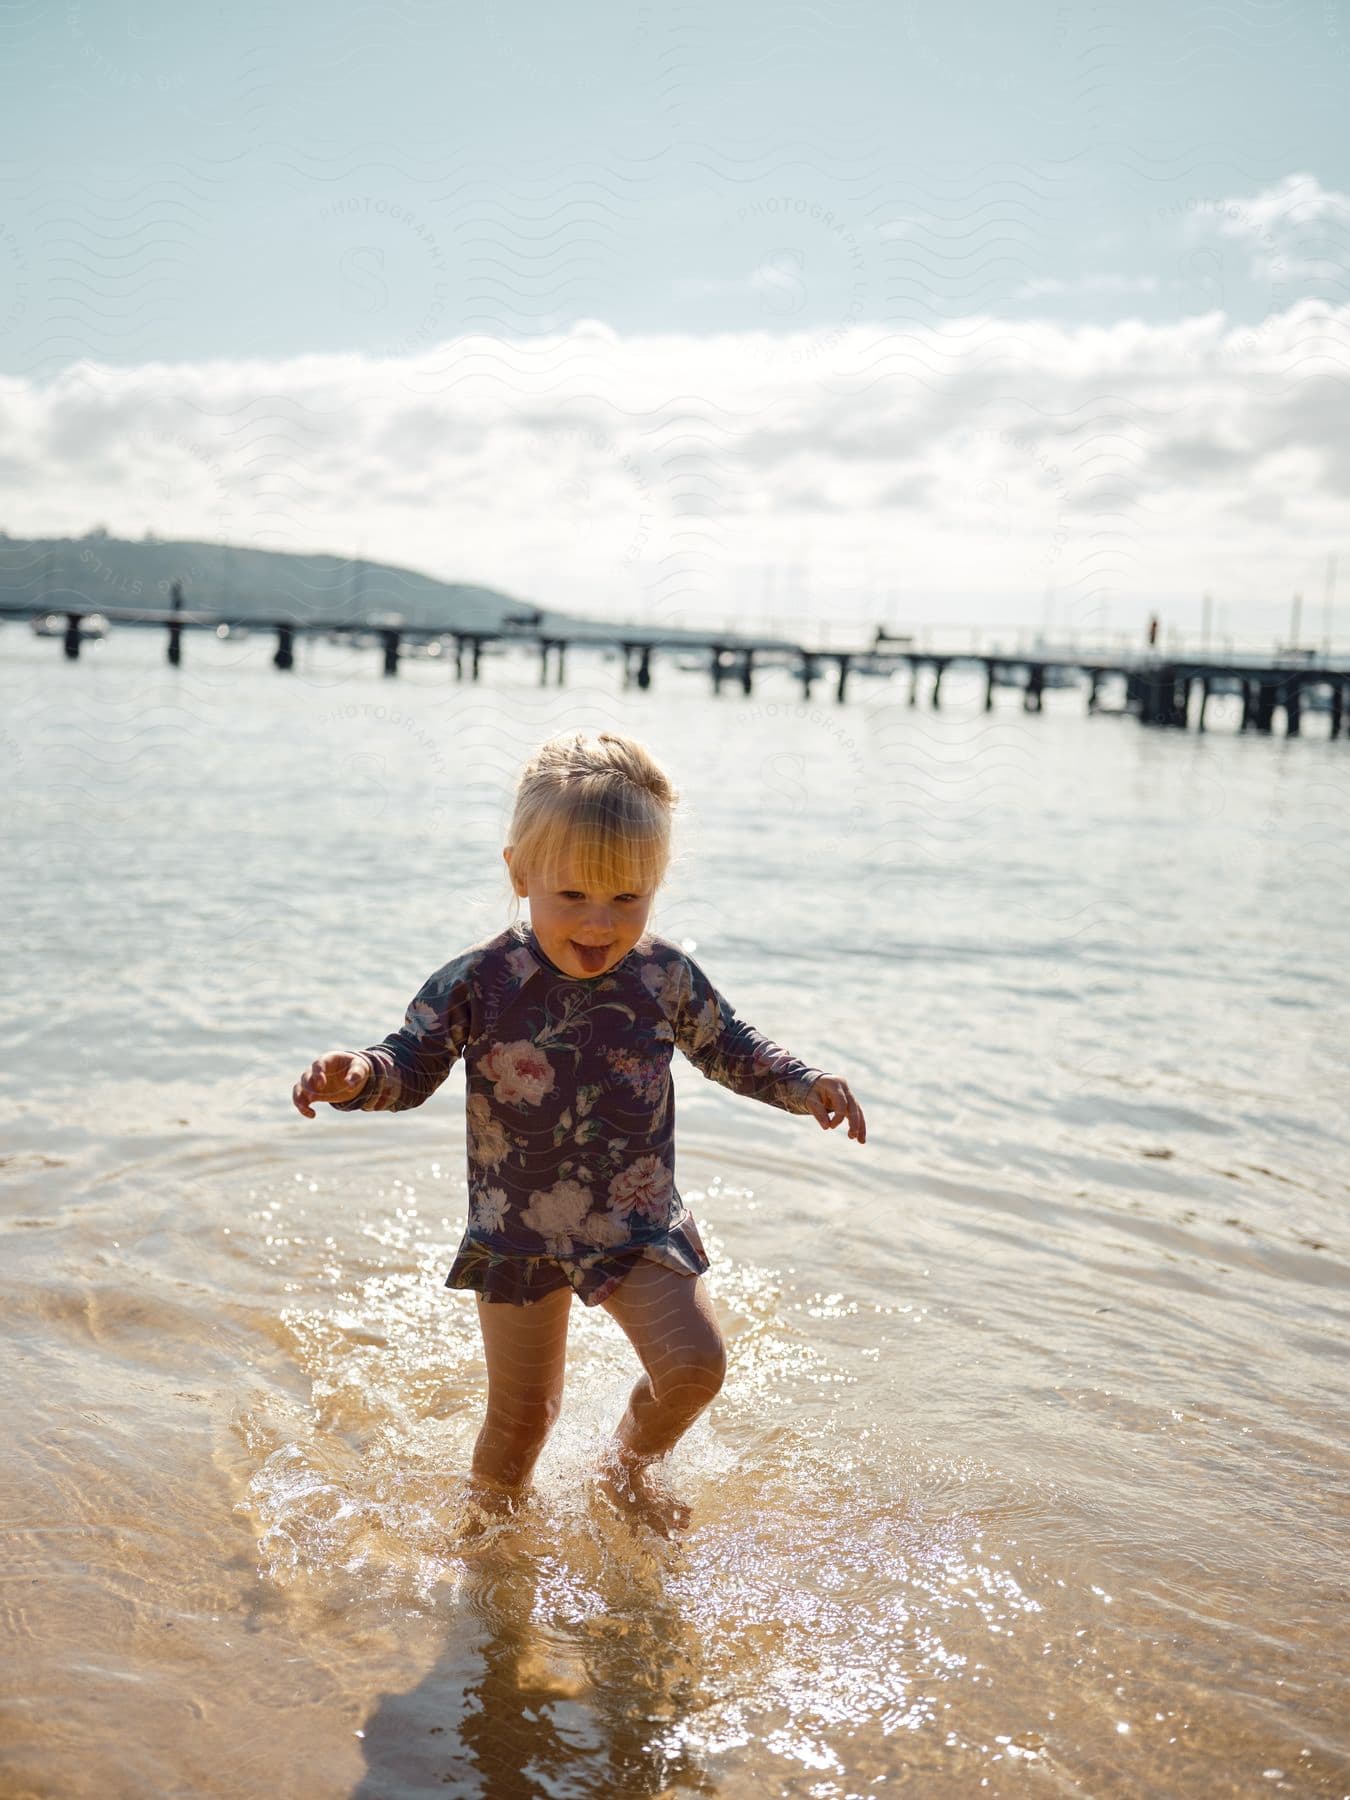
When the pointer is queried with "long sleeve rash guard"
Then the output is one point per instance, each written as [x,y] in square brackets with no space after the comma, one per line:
[570,1103]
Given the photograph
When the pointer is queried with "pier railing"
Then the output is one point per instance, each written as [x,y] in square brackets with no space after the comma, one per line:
[1161,686]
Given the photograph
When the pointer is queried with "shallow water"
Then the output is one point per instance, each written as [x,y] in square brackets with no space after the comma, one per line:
[1029,1473]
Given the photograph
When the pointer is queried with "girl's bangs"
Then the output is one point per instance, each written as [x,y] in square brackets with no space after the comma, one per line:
[615,858]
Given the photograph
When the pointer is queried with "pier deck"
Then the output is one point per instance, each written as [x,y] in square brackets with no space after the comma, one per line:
[1159,689]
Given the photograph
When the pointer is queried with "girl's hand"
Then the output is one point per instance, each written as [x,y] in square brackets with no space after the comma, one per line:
[340,1075]
[831,1101]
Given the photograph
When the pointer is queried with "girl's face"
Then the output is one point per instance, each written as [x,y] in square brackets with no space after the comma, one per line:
[583,933]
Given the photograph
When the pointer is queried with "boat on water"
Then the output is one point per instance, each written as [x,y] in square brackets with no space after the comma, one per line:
[92,625]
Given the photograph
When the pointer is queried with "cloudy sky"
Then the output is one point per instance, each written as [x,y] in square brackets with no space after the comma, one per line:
[875,309]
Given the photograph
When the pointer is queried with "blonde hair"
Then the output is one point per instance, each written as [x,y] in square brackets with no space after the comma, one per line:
[602,804]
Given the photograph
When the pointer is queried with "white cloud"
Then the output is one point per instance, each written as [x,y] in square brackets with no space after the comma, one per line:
[970,464]
[1297,201]
[1295,230]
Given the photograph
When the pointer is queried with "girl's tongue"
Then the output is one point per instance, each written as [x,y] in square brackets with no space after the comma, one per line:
[592,960]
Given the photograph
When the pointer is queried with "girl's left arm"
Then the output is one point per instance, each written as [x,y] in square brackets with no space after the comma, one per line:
[727,1049]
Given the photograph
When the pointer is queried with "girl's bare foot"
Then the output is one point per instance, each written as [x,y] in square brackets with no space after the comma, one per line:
[638,1492]
[484,1506]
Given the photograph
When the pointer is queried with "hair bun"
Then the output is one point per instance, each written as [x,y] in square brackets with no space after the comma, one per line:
[603,798]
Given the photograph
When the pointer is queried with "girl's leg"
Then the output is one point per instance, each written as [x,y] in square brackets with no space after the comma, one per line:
[672,1326]
[525,1348]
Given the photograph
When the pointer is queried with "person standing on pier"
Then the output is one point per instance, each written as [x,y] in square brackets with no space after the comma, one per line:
[566,1027]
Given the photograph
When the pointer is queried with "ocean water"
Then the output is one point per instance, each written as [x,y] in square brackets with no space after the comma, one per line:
[1029,1474]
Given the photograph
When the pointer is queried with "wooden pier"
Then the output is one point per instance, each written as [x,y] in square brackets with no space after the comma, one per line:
[1159,690]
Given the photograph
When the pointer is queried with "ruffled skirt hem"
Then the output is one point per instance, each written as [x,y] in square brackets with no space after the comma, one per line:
[501,1276]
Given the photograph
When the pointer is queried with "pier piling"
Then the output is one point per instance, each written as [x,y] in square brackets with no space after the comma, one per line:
[552,645]
[1158,686]
[175,650]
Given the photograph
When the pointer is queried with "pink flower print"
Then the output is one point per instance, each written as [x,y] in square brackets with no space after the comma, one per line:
[604,1230]
[518,1071]
[488,1142]
[646,1078]
[487,1209]
[643,1187]
[556,1214]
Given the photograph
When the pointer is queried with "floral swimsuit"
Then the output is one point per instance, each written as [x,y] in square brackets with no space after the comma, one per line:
[570,1105]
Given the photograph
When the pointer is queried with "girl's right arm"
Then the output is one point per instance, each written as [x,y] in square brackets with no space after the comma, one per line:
[409,1065]
[338,1076]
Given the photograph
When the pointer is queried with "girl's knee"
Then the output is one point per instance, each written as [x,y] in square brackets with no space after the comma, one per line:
[698,1373]
[711,1354]
[713,1369]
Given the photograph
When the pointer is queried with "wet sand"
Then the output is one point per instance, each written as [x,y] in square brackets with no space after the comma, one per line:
[1030,1469]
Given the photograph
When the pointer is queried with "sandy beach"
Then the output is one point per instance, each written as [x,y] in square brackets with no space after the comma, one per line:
[1029,1471]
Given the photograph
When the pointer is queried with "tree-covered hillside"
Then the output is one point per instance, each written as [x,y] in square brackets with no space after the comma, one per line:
[102,571]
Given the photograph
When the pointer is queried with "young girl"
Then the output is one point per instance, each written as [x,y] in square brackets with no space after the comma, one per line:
[566,1027]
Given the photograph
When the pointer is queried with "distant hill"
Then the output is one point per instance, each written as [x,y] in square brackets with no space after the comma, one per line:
[100,572]
[107,571]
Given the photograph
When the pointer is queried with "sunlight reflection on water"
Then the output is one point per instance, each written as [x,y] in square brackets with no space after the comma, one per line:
[1027,1465]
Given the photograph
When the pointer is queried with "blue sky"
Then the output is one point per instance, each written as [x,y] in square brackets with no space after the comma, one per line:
[472,264]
